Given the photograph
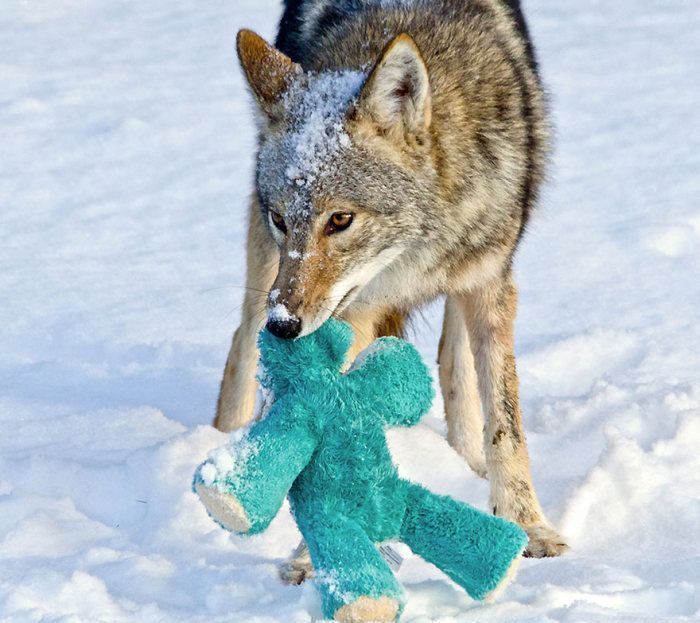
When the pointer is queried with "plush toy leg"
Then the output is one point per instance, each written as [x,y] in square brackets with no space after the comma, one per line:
[223,508]
[244,485]
[366,609]
[355,582]
[478,551]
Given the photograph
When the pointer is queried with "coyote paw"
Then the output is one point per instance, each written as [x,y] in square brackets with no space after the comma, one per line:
[297,569]
[543,542]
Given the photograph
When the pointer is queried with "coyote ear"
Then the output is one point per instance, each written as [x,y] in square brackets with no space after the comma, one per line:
[268,71]
[397,93]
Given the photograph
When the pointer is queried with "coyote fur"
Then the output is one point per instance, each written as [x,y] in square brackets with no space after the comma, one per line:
[402,144]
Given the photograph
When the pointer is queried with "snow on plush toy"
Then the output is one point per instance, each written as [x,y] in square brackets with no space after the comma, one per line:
[322,442]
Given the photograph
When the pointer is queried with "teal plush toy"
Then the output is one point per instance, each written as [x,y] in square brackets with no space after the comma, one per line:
[322,442]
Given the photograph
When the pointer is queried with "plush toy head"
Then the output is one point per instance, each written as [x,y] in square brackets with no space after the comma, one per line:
[389,375]
[286,362]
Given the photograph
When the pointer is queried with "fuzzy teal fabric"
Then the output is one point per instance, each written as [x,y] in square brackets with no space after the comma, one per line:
[323,443]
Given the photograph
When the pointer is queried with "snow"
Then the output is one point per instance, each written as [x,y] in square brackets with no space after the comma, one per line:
[280,313]
[223,462]
[318,107]
[124,176]
[373,349]
[315,108]
[265,396]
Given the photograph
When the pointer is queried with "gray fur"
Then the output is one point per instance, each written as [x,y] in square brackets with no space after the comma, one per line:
[471,188]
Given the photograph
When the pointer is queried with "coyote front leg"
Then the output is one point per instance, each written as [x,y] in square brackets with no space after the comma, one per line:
[238,386]
[490,314]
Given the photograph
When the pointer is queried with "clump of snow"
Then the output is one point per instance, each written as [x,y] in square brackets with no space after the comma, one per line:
[274,295]
[222,459]
[280,313]
[209,472]
[223,462]
[330,579]
[317,106]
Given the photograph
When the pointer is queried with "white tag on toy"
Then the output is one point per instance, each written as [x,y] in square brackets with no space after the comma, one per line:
[392,557]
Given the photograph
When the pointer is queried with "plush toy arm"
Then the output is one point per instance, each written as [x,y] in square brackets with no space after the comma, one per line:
[244,484]
[393,380]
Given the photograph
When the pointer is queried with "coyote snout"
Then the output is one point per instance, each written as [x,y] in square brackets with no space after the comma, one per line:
[301,297]
[312,279]
[329,261]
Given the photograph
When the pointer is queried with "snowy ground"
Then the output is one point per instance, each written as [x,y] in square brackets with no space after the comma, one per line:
[124,170]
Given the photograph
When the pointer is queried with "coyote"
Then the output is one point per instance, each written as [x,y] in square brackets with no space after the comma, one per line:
[402,144]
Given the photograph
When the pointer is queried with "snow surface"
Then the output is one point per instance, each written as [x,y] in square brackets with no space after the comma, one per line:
[124,172]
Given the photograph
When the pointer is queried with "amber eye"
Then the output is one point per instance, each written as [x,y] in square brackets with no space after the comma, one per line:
[338,222]
[278,221]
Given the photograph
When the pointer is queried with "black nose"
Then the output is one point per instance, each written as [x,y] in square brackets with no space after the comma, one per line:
[287,328]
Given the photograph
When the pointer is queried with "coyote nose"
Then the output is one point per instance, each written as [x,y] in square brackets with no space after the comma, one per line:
[285,328]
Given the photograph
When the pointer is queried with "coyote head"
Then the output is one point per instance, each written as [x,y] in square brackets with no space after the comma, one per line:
[344,170]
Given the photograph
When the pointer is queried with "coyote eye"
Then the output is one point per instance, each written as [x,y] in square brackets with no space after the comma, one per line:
[338,222]
[278,221]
